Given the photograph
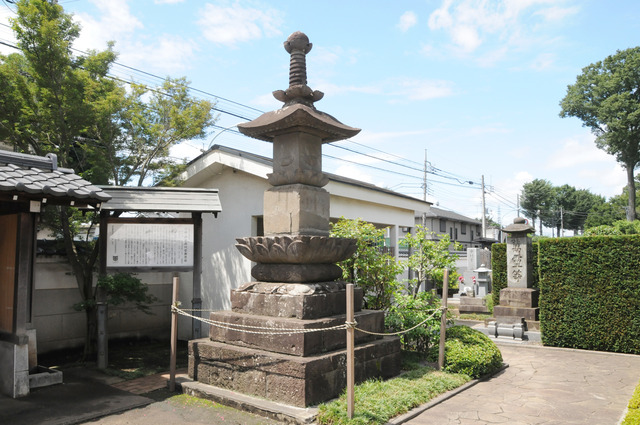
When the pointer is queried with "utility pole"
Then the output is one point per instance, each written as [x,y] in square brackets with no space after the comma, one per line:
[518,204]
[561,223]
[424,178]
[424,190]
[484,212]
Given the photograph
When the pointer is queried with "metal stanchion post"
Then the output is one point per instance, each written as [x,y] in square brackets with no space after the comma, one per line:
[174,335]
[350,352]
[443,320]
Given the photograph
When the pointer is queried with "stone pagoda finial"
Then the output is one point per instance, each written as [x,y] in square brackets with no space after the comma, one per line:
[297,45]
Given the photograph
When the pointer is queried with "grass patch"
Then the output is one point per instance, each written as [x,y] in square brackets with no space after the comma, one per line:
[473,316]
[633,415]
[378,401]
[184,400]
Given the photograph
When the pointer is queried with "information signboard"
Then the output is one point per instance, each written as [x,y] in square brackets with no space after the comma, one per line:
[149,245]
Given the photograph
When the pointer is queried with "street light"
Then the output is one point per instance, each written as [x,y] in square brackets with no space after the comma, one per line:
[216,136]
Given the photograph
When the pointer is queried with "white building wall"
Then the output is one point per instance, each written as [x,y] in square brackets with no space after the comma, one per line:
[241,196]
[58,325]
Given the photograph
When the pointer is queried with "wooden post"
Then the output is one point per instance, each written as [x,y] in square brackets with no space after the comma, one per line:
[174,335]
[196,302]
[443,320]
[350,353]
[101,296]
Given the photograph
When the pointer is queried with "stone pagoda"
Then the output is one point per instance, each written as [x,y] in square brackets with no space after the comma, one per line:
[296,288]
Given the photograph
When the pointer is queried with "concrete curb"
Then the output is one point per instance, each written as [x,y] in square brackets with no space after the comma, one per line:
[259,406]
[443,397]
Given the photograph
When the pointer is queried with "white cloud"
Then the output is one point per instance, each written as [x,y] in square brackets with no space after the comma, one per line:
[497,26]
[168,1]
[543,61]
[557,13]
[414,89]
[115,22]
[407,20]
[167,53]
[233,23]
[578,152]
[353,172]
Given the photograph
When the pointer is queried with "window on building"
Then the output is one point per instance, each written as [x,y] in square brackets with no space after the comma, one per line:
[443,226]
[456,234]
[450,232]
[463,229]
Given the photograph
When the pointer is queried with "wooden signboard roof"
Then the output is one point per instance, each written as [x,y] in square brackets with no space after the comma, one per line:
[162,199]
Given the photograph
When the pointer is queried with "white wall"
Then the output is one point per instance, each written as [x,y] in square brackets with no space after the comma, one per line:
[59,326]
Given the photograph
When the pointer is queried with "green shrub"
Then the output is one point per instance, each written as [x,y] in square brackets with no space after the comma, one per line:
[470,352]
[407,312]
[590,293]
[633,415]
[489,301]
[620,227]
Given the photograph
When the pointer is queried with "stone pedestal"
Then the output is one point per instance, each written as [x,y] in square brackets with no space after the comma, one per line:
[294,380]
[291,366]
[473,305]
[518,302]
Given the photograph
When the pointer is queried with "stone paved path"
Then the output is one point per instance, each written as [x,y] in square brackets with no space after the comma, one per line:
[544,386]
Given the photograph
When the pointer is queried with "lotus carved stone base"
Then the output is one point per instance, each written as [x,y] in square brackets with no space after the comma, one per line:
[296,259]
[296,249]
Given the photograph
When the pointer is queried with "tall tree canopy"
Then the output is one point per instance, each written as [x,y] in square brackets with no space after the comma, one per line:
[54,101]
[606,97]
[536,200]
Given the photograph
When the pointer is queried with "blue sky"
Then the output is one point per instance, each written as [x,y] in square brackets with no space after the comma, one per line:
[477,84]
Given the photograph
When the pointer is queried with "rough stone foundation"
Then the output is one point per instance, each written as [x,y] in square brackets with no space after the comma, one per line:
[293,380]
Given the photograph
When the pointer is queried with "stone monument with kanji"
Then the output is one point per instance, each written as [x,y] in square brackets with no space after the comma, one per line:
[518,301]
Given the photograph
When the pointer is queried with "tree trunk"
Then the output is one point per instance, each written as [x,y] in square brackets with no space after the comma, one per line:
[631,186]
[91,314]
[82,268]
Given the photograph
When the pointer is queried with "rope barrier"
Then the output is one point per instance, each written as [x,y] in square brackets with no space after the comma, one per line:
[404,331]
[286,331]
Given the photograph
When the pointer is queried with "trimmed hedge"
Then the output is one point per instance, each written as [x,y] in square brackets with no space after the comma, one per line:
[590,293]
[499,269]
[470,352]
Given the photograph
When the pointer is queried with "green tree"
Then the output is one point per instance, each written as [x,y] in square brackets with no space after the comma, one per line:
[429,256]
[369,268]
[606,97]
[536,200]
[150,123]
[53,101]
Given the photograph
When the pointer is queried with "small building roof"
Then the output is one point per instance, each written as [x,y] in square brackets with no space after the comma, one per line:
[162,199]
[26,178]
[450,215]
[245,161]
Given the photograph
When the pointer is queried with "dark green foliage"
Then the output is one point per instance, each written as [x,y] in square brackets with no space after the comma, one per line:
[407,312]
[369,268]
[499,269]
[590,293]
[122,288]
[470,352]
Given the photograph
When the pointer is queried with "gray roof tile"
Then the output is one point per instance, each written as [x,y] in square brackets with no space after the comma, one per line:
[39,176]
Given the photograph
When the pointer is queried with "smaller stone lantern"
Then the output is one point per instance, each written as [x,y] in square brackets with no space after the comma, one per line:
[483,281]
